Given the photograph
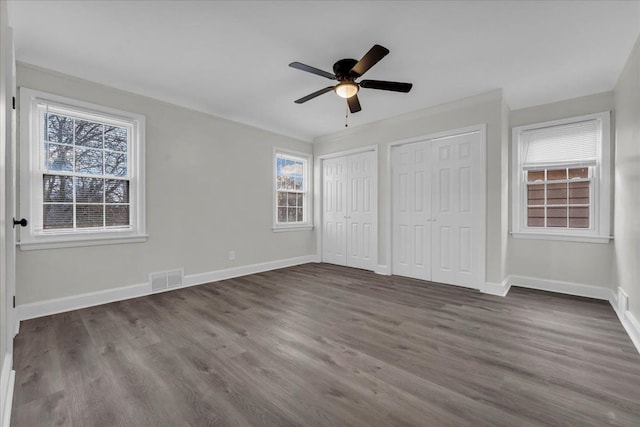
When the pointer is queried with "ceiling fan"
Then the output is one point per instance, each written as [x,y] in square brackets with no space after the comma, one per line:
[346,71]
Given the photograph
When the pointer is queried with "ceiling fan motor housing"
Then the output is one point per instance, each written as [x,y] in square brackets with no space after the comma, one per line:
[342,69]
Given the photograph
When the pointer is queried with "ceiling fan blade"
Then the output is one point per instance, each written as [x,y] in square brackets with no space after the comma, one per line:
[354,104]
[382,85]
[314,94]
[371,58]
[312,70]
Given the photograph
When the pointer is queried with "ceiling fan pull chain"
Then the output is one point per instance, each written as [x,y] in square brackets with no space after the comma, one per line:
[346,115]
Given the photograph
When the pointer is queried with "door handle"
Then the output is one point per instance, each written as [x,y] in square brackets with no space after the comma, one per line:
[22,222]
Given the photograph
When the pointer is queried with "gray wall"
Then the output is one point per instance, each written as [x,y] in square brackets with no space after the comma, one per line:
[208,191]
[486,109]
[627,177]
[561,260]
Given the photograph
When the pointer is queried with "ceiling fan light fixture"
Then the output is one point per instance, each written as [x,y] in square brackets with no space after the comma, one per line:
[346,89]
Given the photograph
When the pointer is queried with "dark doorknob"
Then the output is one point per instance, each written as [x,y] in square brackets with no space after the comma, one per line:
[22,222]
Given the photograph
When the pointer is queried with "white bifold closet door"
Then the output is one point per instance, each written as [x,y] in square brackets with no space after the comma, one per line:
[349,205]
[438,191]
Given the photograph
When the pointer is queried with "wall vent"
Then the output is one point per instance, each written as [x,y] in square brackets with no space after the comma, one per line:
[163,280]
[623,302]
[174,278]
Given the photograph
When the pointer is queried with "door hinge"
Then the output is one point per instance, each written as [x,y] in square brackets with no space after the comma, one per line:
[13,102]
[14,301]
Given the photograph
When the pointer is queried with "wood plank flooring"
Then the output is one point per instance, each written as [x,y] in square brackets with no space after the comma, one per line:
[322,345]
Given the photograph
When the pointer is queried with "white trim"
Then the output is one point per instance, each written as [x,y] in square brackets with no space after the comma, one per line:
[94,239]
[7,380]
[628,320]
[632,326]
[623,301]
[282,228]
[618,302]
[600,208]
[344,153]
[559,236]
[569,288]
[31,198]
[230,273]
[75,302]
[498,289]
[382,270]
[60,305]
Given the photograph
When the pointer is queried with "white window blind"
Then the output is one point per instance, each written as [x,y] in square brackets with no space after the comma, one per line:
[569,144]
[561,176]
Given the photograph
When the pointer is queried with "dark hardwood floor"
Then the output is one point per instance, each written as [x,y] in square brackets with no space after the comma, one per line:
[325,345]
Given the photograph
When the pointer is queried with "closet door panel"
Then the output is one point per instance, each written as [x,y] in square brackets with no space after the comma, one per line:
[411,212]
[401,176]
[457,218]
[334,215]
[361,199]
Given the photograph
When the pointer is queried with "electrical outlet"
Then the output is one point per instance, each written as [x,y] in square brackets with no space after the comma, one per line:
[232,255]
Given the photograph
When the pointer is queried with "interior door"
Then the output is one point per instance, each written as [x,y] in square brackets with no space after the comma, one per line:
[334,211]
[457,217]
[7,206]
[411,210]
[361,207]
[12,206]
[8,240]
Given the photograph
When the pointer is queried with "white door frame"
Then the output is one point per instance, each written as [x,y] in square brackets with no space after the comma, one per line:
[482,130]
[7,211]
[318,196]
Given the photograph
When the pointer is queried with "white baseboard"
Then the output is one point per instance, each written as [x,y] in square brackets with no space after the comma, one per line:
[382,269]
[7,379]
[75,302]
[619,301]
[632,326]
[628,320]
[569,288]
[60,305]
[498,289]
[230,273]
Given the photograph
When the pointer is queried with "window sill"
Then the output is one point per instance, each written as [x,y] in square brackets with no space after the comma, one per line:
[56,242]
[562,237]
[281,228]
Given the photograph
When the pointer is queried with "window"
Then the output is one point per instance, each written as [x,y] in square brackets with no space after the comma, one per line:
[82,173]
[561,179]
[292,204]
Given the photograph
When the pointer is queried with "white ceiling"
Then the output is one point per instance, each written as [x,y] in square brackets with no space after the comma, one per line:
[231,58]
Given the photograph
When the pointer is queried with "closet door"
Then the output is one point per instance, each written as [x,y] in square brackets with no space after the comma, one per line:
[411,201]
[334,211]
[458,193]
[438,193]
[361,206]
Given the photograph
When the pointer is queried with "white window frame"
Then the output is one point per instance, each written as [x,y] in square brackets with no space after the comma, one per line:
[32,169]
[600,193]
[307,223]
